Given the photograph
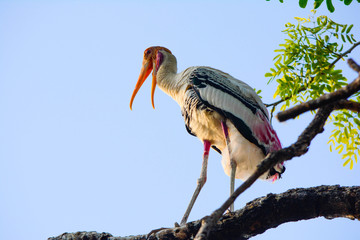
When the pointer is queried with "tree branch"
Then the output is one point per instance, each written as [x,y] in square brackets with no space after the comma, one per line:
[259,215]
[347,104]
[342,93]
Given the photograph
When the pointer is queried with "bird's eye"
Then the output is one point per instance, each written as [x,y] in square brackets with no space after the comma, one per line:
[148,52]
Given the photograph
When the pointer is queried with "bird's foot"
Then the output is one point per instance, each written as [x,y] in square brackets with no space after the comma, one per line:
[229,212]
[155,231]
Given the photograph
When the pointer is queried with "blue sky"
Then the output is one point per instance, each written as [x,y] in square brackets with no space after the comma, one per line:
[73,157]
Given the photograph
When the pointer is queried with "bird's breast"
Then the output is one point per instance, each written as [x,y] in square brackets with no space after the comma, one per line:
[201,120]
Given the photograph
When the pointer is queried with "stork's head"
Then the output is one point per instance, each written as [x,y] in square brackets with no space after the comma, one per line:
[153,58]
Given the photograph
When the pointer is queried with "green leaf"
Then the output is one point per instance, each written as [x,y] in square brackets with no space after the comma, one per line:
[337,71]
[338,124]
[317,3]
[349,28]
[346,162]
[347,2]
[352,37]
[346,133]
[348,115]
[318,20]
[343,38]
[357,121]
[336,132]
[303,3]
[340,148]
[344,28]
[277,57]
[330,6]
[268,75]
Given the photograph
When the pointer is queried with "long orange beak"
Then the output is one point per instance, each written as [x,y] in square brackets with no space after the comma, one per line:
[153,86]
[146,69]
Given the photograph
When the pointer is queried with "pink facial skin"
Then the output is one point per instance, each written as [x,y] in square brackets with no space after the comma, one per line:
[159,60]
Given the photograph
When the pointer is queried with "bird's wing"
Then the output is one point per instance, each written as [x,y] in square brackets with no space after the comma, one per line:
[238,102]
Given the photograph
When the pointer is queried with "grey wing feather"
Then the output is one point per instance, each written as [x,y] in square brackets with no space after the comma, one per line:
[223,91]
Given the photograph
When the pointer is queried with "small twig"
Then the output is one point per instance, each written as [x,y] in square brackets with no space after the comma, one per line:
[327,47]
[354,65]
[275,103]
[342,93]
[299,148]
[272,114]
[340,56]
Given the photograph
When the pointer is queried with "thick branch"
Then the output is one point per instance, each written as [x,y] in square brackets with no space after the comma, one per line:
[271,211]
[342,93]
[260,215]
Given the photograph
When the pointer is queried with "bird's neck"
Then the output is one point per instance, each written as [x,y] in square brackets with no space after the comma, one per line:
[166,76]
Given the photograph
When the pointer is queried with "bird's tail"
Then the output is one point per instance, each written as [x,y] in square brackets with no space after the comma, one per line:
[276,171]
[247,156]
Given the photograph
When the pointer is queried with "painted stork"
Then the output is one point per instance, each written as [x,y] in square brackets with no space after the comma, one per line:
[223,112]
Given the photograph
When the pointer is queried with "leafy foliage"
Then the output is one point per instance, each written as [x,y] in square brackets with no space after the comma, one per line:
[305,69]
[317,3]
[346,136]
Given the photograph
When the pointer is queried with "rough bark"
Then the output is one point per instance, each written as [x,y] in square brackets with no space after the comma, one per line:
[259,215]
[347,104]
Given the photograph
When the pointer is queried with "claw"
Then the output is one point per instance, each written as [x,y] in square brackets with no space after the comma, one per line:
[155,231]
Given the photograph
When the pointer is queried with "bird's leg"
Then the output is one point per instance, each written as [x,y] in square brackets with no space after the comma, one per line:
[232,162]
[200,182]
